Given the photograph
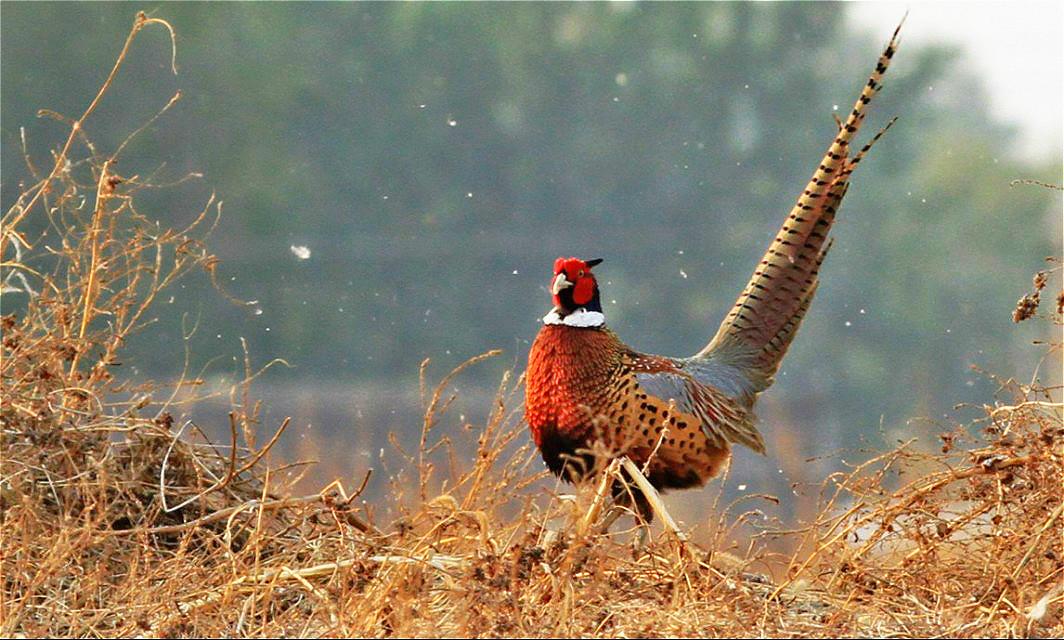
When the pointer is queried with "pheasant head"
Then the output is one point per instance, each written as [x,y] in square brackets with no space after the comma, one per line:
[575,294]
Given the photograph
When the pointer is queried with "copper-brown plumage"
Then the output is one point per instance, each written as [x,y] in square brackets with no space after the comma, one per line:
[583,387]
[588,395]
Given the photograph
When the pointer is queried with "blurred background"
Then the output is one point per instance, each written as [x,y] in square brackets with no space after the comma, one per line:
[398,179]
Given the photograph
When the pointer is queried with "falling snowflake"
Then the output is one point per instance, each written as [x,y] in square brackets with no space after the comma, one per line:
[300,251]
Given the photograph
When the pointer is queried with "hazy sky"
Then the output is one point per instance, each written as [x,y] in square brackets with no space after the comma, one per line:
[1017,46]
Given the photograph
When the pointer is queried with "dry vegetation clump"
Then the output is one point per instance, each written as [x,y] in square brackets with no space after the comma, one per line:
[116,520]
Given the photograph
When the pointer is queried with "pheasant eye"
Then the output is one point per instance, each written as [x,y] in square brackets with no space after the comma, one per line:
[580,274]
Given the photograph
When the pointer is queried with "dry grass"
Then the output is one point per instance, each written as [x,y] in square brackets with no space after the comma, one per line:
[116,521]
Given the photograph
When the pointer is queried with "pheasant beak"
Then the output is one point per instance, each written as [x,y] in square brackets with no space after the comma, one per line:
[559,283]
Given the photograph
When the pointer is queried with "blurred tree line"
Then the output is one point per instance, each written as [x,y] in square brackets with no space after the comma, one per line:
[436,157]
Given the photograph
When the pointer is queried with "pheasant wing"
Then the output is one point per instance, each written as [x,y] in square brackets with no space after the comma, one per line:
[720,420]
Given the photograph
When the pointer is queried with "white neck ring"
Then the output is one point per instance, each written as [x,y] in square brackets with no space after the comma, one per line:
[579,318]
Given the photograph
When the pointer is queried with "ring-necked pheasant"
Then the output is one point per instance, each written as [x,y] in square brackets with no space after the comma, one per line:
[590,395]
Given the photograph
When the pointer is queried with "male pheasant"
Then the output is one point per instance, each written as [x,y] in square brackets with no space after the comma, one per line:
[590,397]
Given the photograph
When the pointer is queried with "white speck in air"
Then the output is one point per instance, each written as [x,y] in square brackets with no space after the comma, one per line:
[834,107]
[300,251]
[849,324]
[741,487]
[621,79]
[451,122]
[862,312]
[683,273]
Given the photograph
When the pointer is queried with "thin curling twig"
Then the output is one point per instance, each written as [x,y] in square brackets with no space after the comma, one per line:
[14,216]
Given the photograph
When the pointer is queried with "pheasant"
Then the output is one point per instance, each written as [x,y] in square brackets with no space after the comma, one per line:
[590,397]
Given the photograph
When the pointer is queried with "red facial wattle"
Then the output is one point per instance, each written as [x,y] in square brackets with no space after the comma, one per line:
[584,290]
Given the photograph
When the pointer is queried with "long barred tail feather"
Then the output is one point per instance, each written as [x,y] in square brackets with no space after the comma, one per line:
[756,333]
